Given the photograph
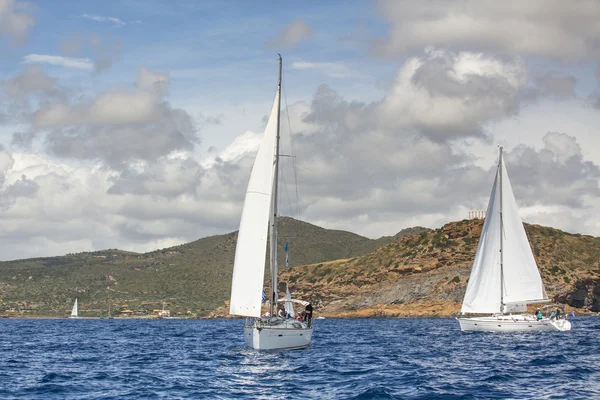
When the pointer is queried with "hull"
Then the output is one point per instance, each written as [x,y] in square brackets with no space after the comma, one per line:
[513,323]
[281,334]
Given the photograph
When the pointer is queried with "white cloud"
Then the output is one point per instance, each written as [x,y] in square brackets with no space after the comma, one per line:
[103,18]
[69,62]
[333,70]
[15,19]
[152,80]
[446,95]
[245,144]
[291,35]
[119,167]
[547,28]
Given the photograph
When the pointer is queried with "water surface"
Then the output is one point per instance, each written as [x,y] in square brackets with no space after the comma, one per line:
[349,359]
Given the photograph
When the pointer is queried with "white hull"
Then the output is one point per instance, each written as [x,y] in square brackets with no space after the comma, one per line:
[513,323]
[284,334]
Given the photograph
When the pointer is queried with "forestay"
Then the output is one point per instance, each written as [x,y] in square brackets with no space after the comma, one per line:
[517,276]
[249,264]
[483,289]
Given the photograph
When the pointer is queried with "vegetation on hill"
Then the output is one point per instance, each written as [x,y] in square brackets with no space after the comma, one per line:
[426,274]
[192,279]
[418,272]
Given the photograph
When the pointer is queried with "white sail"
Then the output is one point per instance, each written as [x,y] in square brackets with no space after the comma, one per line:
[74,311]
[522,280]
[504,271]
[483,289]
[289,306]
[249,264]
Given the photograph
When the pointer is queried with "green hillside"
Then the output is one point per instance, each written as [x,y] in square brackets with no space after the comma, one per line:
[192,279]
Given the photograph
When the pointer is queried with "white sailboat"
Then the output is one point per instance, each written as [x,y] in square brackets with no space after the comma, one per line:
[259,219]
[505,276]
[75,310]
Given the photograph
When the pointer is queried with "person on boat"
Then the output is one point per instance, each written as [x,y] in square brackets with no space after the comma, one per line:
[539,315]
[281,313]
[552,315]
[308,310]
[558,313]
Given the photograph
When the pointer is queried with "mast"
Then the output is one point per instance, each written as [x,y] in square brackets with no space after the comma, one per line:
[501,236]
[273,230]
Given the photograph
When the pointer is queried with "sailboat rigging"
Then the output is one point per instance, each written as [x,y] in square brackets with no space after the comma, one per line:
[505,277]
[259,219]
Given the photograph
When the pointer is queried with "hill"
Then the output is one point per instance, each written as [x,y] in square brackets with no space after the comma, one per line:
[192,279]
[426,274]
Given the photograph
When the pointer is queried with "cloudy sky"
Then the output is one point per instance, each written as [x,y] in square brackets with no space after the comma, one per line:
[133,124]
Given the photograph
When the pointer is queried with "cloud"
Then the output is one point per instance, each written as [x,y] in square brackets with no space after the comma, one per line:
[69,62]
[15,20]
[333,70]
[557,174]
[168,178]
[553,29]
[291,35]
[594,97]
[445,95]
[102,18]
[557,86]
[117,126]
[23,140]
[21,93]
[30,81]
[105,51]
[154,81]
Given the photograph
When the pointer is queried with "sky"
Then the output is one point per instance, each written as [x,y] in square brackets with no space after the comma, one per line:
[134,124]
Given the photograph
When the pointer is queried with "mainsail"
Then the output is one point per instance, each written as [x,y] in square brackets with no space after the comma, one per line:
[504,271]
[522,280]
[249,264]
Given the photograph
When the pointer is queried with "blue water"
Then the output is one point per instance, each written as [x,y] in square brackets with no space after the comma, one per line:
[349,359]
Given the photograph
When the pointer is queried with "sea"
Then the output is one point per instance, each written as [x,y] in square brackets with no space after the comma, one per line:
[348,359]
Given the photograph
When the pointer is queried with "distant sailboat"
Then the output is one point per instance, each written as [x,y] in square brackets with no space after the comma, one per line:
[505,276]
[75,310]
[259,219]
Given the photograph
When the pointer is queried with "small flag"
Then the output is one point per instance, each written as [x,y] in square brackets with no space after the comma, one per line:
[264,295]
[287,263]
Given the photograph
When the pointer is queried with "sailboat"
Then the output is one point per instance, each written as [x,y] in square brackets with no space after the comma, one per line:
[505,277]
[75,310]
[259,220]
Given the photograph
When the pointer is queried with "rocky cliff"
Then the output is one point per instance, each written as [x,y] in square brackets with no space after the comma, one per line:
[426,274]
